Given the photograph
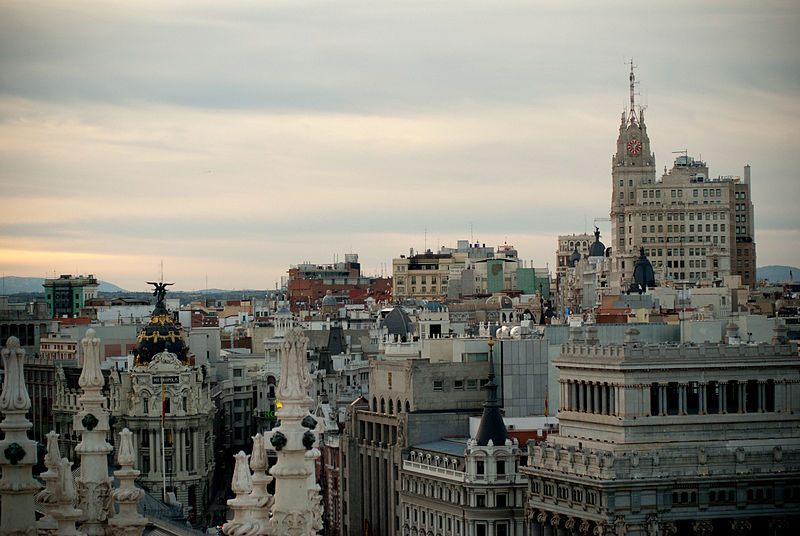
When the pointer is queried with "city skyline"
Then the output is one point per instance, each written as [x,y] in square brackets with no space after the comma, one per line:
[232,140]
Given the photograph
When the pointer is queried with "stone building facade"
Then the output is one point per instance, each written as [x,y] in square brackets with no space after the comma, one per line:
[407,406]
[692,227]
[165,401]
[671,439]
[188,457]
[458,487]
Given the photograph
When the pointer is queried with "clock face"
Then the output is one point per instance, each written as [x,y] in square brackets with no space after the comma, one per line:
[634,147]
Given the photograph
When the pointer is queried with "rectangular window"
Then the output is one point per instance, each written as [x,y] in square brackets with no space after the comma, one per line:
[437,385]
[472,384]
[458,385]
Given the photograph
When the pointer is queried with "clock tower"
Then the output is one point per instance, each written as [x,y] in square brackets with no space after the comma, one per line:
[632,166]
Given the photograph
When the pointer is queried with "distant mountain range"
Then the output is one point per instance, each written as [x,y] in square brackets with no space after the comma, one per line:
[11,284]
[778,274]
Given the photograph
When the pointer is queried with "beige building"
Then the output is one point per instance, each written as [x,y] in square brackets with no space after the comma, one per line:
[692,227]
[423,276]
[671,439]
[567,244]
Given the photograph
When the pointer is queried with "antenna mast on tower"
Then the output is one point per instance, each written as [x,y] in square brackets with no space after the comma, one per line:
[632,77]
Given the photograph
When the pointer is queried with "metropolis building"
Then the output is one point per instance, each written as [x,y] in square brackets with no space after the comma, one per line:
[670,440]
[692,227]
[166,402]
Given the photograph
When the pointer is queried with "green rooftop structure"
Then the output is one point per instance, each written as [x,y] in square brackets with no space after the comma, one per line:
[67,294]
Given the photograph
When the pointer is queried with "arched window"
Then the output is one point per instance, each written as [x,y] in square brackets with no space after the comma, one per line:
[391,407]
[374,404]
[399,406]
[383,405]
[408,407]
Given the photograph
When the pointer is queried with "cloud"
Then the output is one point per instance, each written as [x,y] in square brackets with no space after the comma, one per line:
[234,139]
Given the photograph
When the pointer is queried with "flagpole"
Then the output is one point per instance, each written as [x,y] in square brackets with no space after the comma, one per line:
[163,454]
[546,409]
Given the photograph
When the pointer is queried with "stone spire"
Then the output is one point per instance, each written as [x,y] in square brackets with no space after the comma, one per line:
[294,512]
[17,452]
[94,485]
[242,505]
[127,522]
[65,512]
[47,496]
[261,498]
[492,428]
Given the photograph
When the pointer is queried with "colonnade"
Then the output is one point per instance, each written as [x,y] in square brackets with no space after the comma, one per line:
[185,458]
[714,397]
[590,397]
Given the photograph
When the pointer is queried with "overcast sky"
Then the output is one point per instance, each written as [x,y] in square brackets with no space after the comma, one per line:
[233,139]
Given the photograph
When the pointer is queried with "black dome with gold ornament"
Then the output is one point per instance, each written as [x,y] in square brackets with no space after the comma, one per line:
[161,333]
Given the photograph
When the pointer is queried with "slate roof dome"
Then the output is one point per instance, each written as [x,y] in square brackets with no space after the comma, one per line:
[329,299]
[397,322]
[643,273]
[160,334]
[597,249]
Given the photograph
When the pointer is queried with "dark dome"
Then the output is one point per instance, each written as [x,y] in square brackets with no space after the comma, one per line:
[643,273]
[597,249]
[159,335]
[397,322]
[575,257]
[329,299]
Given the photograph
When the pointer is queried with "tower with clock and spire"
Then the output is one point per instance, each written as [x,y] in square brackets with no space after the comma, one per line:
[632,166]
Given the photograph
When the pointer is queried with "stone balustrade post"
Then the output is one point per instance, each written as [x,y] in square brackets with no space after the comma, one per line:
[94,485]
[17,452]
[47,497]
[127,522]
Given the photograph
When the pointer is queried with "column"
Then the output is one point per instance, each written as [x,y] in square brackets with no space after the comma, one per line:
[196,450]
[762,391]
[612,399]
[662,406]
[560,395]
[573,396]
[740,387]
[181,446]
[682,388]
[702,404]
[618,400]
[596,408]
[581,406]
[155,451]
[723,397]
[604,399]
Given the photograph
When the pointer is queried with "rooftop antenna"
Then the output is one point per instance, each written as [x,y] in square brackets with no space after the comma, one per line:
[471,237]
[632,78]
[426,240]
